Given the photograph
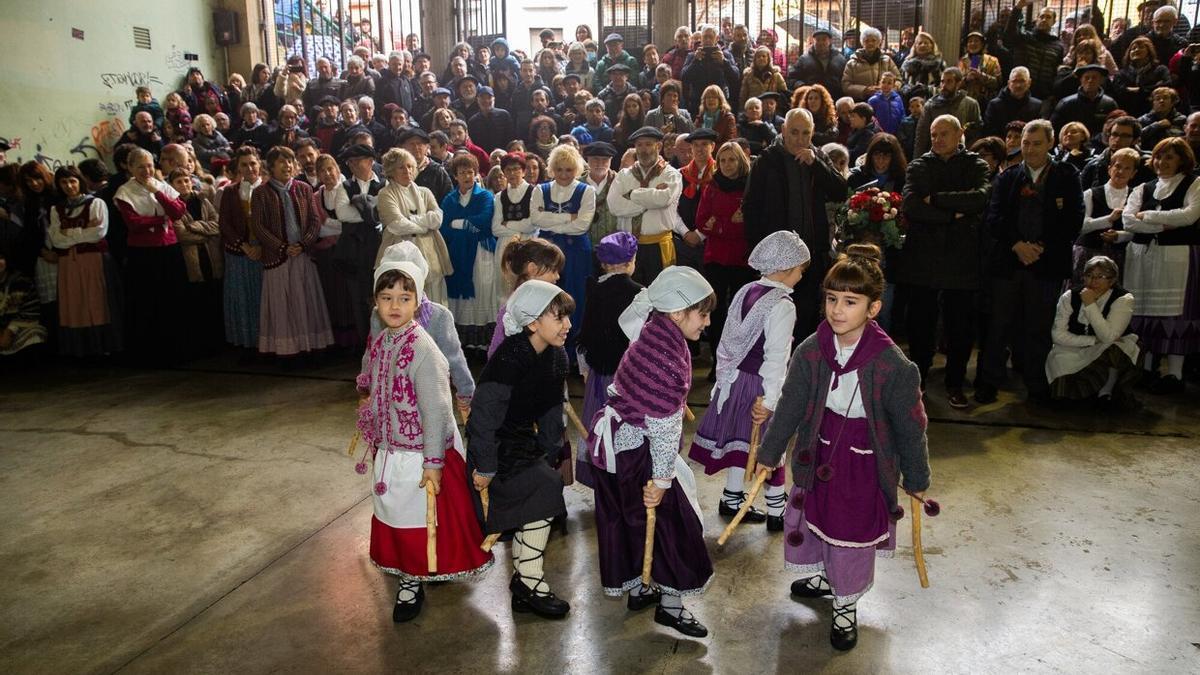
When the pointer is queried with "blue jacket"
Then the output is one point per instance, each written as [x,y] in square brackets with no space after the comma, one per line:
[889,111]
[463,243]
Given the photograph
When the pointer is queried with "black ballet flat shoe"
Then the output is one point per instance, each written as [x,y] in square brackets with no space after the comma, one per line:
[802,589]
[547,606]
[407,611]
[774,523]
[559,524]
[752,516]
[1168,386]
[985,394]
[843,639]
[637,603]
[684,624]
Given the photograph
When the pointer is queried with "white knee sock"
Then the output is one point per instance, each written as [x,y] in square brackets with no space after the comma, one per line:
[533,537]
[407,593]
[735,486]
[673,604]
[845,616]
[776,499]
[1148,363]
[1175,365]
[1111,382]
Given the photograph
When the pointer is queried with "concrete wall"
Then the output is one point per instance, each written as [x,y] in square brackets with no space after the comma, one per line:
[62,99]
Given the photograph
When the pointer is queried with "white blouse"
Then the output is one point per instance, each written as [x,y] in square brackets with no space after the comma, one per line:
[561,223]
[97,213]
[1155,222]
[847,399]
[1115,197]
[513,228]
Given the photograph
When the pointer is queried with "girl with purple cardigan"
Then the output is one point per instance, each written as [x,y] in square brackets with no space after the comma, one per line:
[634,450]
[855,402]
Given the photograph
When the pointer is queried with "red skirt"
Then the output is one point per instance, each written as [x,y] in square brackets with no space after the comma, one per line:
[398,532]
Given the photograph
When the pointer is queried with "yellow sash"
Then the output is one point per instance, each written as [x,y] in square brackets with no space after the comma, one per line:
[666,245]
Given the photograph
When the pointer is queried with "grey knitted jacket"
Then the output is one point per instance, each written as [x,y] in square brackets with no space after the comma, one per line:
[891,391]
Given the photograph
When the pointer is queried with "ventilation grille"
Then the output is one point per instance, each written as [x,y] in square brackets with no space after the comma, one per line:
[141,38]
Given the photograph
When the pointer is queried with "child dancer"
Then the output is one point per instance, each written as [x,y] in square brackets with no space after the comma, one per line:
[516,422]
[408,425]
[437,320]
[636,437]
[751,361]
[523,260]
[601,341]
[855,401]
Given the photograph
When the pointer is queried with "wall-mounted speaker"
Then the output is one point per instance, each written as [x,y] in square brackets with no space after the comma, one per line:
[225,27]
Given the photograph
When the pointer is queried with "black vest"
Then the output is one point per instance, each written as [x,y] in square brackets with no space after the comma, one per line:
[1100,205]
[511,210]
[1077,328]
[1184,236]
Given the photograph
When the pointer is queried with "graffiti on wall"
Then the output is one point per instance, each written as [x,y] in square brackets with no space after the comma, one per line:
[115,108]
[129,78]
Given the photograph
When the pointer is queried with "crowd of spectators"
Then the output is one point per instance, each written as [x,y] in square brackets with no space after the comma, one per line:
[1047,173]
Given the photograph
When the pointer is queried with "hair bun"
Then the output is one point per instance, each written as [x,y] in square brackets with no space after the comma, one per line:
[869,252]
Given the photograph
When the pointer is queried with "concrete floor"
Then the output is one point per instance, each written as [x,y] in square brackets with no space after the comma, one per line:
[204,520]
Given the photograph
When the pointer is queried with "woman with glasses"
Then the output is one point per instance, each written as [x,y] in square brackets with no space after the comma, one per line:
[1094,352]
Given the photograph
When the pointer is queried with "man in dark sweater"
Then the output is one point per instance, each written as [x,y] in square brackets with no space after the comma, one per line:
[1035,214]
[945,197]
[1090,105]
[430,174]
[491,127]
[1039,50]
[1123,133]
[1013,103]
[394,85]
[821,64]
[787,180]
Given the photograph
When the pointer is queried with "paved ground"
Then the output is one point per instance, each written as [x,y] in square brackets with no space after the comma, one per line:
[209,520]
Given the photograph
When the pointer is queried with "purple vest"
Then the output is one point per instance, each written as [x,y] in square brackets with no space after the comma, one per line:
[754,358]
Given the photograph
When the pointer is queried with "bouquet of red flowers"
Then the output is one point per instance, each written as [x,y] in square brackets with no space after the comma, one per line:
[872,215]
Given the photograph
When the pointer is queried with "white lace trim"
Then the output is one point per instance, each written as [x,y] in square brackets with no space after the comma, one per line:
[719,452]
[810,570]
[848,544]
[437,577]
[862,451]
[667,590]
[823,440]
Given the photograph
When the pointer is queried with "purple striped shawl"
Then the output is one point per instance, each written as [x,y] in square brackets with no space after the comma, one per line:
[654,375]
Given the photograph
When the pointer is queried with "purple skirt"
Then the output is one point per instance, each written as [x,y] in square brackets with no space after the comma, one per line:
[681,564]
[848,509]
[722,439]
[595,396]
[849,571]
[1175,334]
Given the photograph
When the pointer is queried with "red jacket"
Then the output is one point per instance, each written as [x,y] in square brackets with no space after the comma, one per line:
[485,160]
[152,231]
[726,239]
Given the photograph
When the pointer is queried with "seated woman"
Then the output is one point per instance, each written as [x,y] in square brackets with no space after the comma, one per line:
[1094,354]
[1074,147]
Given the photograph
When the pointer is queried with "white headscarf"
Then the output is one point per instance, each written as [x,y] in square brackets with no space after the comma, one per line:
[398,257]
[779,251]
[527,303]
[676,288]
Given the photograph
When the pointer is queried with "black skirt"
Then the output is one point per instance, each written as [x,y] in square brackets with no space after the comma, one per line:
[523,495]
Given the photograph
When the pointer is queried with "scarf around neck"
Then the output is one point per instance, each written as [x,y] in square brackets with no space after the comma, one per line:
[873,342]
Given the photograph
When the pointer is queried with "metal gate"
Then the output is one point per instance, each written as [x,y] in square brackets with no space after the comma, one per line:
[795,20]
[479,22]
[630,18]
[333,28]
[1110,17]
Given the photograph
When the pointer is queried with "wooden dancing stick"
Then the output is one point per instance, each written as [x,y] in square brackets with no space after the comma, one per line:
[489,542]
[752,456]
[688,414]
[431,527]
[354,443]
[918,552]
[583,432]
[483,498]
[648,554]
[758,483]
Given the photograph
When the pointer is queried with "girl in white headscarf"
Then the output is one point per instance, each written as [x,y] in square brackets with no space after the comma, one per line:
[407,423]
[751,362]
